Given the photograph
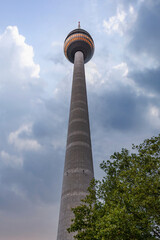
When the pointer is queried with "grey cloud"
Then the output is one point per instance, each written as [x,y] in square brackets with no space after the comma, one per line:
[148,79]
[45,171]
[41,174]
[50,127]
[146,30]
[10,201]
[122,110]
[56,58]
[37,180]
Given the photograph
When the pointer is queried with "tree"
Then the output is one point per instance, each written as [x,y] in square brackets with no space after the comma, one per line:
[125,204]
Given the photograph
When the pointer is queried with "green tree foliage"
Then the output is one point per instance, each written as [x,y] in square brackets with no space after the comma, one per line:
[125,205]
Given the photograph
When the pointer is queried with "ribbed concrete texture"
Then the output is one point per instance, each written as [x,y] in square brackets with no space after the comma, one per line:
[78,170]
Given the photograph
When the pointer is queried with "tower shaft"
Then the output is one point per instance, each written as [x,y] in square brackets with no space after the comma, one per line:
[78,169]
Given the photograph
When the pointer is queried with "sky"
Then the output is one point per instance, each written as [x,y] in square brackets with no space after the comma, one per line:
[123,84]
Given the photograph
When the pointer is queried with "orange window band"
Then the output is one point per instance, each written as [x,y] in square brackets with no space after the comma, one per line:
[74,38]
[79,35]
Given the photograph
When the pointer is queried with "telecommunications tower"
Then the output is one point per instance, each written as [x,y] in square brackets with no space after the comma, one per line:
[78,169]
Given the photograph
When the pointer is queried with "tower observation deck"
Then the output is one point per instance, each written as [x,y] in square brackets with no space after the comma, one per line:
[78,168]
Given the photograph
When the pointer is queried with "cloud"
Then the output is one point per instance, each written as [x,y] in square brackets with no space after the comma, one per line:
[31,143]
[119,109]
[154,116]
[146,30]
[148,79]
[121,22]
[92,74]
[11,160]
[21,138]
[133,83]
[16,58]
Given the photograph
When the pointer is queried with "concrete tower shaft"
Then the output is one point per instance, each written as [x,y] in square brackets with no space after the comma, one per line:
[78,169]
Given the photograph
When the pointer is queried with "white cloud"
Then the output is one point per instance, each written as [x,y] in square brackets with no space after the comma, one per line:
[17,64]
[154,116]
[119,74]
[22,140]
[92,74]
[114,75]
[143,60]
[57,44]
[11,160]
[120,22]
[122,67]
[107,76]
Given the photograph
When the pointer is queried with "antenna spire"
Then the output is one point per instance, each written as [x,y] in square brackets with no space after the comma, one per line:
[79,25]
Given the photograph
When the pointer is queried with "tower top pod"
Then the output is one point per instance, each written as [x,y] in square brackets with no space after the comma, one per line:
[78,40]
